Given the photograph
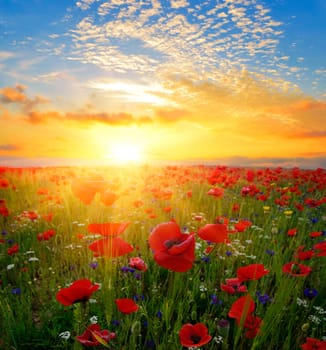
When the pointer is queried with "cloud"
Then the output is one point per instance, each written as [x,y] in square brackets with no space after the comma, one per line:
[112,119]
[17,95]
[9,147]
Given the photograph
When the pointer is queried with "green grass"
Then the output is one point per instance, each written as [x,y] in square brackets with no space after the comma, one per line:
[31,317]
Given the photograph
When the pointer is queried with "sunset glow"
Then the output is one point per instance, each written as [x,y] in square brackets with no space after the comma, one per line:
[232,82]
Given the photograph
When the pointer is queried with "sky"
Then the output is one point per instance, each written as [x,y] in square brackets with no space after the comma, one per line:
[94,82]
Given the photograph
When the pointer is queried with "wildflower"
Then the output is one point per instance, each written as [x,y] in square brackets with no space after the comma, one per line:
[126,305]
[313,343]
[159,314]
[263,298]
[79,291]
[215,300]
[301,302]
[108,197]
[13,250]
[252,326]
[292,232]
[194,335]
[310,293]
[93,319]
[173,250]
[241,308]
[16,291]
[108,229]
[216,192]
[270,252]
[137,263]
[215,233]
[93,265]
[233,285]
[64,335]
[297,270]
[94,336]
[251,272]
[111,247]
[10,267]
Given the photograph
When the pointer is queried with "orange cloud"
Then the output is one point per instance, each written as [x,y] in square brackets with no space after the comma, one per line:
[13,95]
[171,115]
[113,119]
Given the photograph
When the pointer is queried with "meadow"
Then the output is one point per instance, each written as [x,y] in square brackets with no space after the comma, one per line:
[162,258]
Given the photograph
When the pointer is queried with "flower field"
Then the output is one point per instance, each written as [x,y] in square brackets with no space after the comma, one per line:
[163,258]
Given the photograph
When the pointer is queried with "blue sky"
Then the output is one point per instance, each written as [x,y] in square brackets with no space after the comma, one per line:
[114,67]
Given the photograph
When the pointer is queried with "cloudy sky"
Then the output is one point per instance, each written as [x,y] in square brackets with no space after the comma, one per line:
[239,82]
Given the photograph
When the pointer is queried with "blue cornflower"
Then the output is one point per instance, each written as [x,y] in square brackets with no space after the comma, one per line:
[215,300]
[228,253]
[4,232]
[127,269]
[150,344]
[116,322]
[93,264]
[310,293]
[263,298]
[16,291]
[206,259]
[269,252]
[138,297]
[159,314]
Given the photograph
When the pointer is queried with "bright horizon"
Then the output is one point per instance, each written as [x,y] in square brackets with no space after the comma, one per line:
[92,82]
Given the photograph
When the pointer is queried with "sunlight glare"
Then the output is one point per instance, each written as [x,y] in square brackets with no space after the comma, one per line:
[125,153]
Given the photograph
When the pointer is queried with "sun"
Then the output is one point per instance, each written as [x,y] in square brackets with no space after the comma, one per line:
[124,153]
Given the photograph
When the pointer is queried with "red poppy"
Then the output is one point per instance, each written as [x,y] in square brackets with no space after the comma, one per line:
[241,308]
[111,247]
[297,270]
[315,234]
[242,225]
[216,233]
[3,208]
[108,228]
[233,285]
[94,336]
[4,183]
[79,291]
[46,235]
[86,188]
[252,326]
[321,247]
[314,344]
[251,272]
[108,197]
[137,263]
[13,250]
[126,305]
[173,250]
[292,232]
[194,336]
[216,192]
[304,254]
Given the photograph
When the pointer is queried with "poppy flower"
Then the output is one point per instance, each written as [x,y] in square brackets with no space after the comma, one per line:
[13,250]
[242,225]
[216,192]
[241,308]
[108,229]
[85,189]
[173,250]
[252,325]
[297,270]
[94,336]
[194,336]
[108,197]
[79,291]
[233,285]
[111,247]
[313,344]
[126,305]
[46,235]
[292,232]
[321,247]
[215,233]
[137,263]
[251,272]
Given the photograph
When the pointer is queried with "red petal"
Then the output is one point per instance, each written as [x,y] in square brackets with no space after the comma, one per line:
[126,305]
[168,231]
[111,247]
[108,229]
[216,233]
[177,263]
[241,308]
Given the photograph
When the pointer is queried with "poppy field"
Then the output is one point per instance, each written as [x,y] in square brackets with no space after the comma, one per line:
[170,257]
